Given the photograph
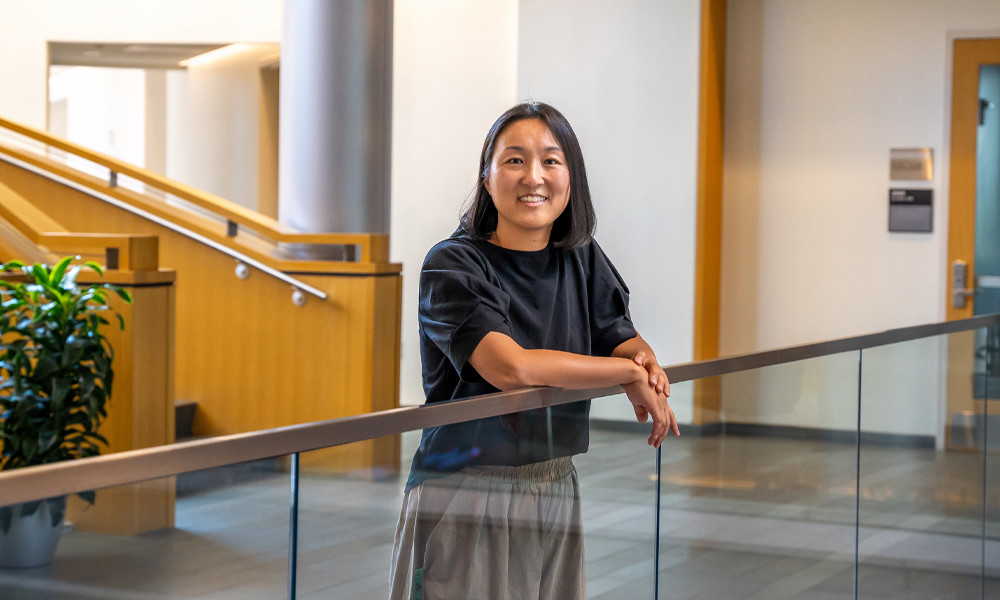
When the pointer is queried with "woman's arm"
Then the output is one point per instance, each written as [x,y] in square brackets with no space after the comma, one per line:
[507,366]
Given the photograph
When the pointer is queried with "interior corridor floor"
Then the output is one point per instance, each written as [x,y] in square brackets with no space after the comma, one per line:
[741,517]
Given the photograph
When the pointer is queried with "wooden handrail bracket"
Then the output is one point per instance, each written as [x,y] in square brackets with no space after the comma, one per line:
[123,252]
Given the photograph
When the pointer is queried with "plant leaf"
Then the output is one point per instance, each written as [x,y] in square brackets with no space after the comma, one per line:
[95,267]
[57,509]
[59,270]
[40,273]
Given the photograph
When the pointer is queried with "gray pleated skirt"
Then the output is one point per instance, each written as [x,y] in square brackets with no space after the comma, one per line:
[492,533]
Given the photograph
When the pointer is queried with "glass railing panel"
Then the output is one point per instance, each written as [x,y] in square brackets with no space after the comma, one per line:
[759,503]
[618,492]
[988,367]
[349,503]
[218,533]
[921,470]
[350,508]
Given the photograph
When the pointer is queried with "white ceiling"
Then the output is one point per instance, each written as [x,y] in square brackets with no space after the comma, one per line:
[138,55]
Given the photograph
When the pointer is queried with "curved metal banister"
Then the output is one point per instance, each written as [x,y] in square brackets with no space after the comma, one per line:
[23,485]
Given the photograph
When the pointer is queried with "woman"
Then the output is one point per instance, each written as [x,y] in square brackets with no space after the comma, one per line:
[519,296]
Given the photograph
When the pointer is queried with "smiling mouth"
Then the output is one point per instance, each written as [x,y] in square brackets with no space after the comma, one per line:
[531,199]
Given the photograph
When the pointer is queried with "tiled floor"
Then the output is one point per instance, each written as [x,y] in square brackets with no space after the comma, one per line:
[740,517]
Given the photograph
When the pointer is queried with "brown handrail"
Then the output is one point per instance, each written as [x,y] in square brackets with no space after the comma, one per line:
[374,247]
[24,485]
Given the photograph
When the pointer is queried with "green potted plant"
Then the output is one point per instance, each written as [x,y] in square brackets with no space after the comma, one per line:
[55,381]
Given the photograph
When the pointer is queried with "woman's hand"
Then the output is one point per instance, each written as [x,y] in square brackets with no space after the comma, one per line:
[657,378]
[648,403]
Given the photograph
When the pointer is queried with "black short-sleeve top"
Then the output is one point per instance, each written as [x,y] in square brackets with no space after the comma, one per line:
[557,299]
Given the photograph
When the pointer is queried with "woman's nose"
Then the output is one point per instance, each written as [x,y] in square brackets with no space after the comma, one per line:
[533,174]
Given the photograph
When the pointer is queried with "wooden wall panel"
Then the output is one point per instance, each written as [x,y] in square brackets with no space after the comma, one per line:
[247,355]
[140,413]
[708,255]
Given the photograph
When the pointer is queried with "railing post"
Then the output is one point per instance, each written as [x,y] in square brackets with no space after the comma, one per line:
[111,258]
[293,528]
[656,530]
[857,482]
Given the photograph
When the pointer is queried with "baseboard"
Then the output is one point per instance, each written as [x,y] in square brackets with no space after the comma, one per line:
[778,431]
[644,428]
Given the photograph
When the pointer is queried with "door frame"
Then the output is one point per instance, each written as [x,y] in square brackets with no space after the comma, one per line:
[968,54]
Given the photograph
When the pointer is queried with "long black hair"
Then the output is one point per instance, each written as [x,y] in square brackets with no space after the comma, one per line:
[575,226]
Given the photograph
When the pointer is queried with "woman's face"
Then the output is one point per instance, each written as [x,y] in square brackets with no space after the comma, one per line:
[528,180]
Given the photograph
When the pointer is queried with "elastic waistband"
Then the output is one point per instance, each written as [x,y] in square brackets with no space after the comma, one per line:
[549,470]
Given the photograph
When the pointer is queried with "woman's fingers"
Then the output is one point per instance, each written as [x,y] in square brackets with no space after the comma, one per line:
[664,421]
[659,415]
[662,384]
[649,405]
[674,426]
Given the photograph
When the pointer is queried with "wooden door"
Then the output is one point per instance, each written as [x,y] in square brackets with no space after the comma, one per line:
[964,411]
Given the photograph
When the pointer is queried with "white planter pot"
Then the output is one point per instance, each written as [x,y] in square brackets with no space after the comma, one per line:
[31,540]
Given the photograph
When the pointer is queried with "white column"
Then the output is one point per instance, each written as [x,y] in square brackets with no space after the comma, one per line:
[335,113]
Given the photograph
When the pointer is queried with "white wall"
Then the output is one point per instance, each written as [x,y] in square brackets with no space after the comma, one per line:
[110,124]
[27,26]
[454,72]
[817,93]
[900,385]
[626,77]
[212,120]
[820,392]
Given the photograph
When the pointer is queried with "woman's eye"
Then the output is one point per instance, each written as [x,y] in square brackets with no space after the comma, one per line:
[552,161]
[514,161]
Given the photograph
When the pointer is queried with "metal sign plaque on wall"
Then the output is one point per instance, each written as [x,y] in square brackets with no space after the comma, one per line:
[910,210]
[911,164]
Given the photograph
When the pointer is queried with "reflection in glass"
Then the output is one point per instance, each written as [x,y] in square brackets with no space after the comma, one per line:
[348,507]
[761,501]
[618,489]
[991,470]
[348,515]
[229,539]
[921,484]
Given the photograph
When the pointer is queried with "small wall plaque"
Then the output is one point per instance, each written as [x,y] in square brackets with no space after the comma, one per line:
[911,164]
[910,210]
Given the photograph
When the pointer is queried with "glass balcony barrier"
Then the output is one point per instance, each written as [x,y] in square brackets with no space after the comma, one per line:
[928,502]
[764,506]
[226,537]
[859,468]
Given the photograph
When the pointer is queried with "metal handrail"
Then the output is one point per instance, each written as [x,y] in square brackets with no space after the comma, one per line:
[374,247]
[235,254]
[23,485]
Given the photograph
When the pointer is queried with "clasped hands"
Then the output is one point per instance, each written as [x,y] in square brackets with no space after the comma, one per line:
[648,396]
